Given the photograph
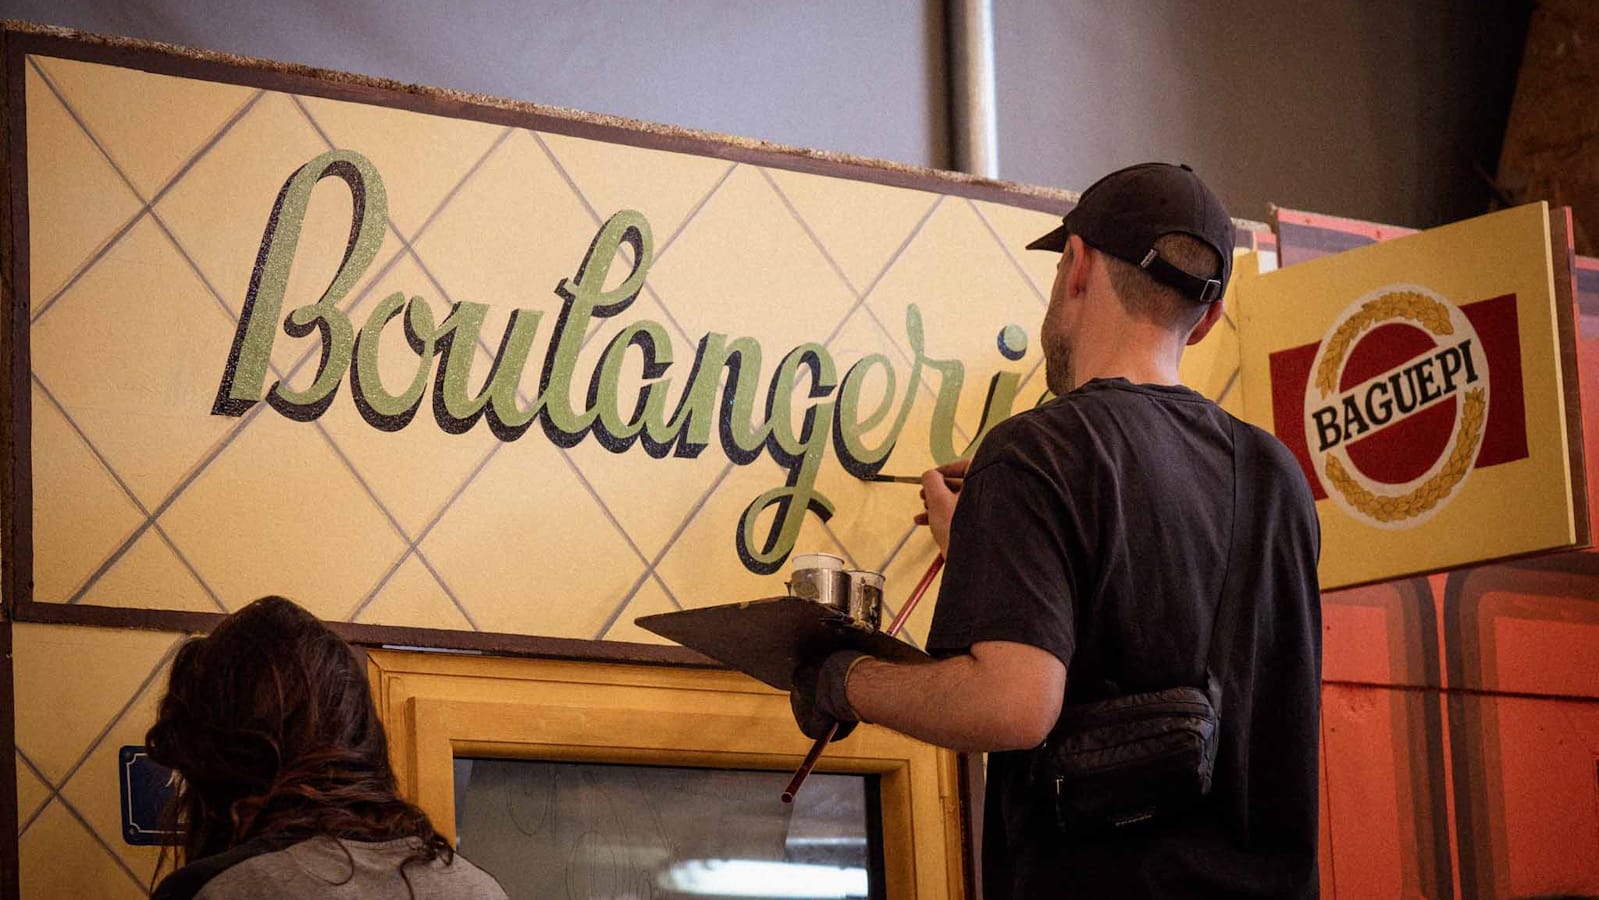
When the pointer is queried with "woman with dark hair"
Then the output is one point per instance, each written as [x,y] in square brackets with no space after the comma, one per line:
[286,789]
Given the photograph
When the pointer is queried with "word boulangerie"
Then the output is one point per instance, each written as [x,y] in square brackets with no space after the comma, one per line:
[835,410]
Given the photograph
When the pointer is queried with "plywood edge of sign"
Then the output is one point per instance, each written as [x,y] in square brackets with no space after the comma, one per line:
[1562,257]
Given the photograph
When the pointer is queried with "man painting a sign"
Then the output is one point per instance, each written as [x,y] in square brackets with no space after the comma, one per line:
[1129,500]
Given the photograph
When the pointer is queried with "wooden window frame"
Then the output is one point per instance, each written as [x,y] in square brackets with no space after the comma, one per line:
[438,706]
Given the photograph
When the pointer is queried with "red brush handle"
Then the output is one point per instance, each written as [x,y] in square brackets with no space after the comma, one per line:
[805,767]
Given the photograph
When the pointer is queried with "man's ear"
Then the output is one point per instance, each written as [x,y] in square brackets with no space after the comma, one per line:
[1211,317]
[1077,273]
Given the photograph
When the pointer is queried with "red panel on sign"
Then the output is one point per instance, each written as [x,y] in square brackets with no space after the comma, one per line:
[1505,437]
[1290,373]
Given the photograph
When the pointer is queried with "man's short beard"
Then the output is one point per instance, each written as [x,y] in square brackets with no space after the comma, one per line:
[1058,374]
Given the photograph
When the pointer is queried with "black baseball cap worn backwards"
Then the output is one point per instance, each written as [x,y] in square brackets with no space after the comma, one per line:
[1125,212]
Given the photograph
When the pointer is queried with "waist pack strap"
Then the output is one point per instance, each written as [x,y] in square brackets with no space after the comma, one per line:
[1225,623]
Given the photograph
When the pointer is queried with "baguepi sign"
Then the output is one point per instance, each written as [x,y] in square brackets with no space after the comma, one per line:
[423,360]
[1419,383]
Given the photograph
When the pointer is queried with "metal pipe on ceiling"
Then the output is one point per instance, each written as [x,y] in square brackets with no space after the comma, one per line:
[974,127]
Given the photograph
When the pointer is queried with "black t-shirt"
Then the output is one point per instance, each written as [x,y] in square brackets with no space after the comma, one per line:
[1097,527]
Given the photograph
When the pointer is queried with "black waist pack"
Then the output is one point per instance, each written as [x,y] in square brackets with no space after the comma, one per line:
[1140,758]
[1131,761]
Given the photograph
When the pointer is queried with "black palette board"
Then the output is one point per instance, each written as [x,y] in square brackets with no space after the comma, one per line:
[765,639]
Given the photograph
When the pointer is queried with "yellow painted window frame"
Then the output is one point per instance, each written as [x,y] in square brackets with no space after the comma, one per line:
[438,706]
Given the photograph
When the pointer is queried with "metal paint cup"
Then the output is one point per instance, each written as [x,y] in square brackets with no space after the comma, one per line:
[866,597]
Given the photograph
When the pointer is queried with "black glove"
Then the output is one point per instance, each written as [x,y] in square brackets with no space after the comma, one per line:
[817,696]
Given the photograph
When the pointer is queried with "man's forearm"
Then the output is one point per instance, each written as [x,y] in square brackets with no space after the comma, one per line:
[963,702]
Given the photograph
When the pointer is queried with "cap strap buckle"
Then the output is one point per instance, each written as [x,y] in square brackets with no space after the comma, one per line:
[1203,290]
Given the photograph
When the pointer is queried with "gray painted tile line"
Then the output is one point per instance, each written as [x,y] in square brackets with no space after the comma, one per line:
[377,501]
[898,546]
[816,241]
[206,147]
[55,789]
[887,267]
[88,264]
[147,206]
[1232,382]
[606,509]
[567,177]
[450,195]
[695,211]
[216,295]
[448,592]
[138,505]
[627,599]
[49,792]
[176,492]
[427,529]
[667,547]
[383,581]
[415,549]
[184,559]
[116,857]
[1005,248]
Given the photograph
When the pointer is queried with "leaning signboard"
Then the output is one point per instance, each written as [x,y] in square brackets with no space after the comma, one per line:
[1420,384]
[439,362]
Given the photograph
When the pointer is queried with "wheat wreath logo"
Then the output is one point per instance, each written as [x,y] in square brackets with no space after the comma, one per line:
[1396,406]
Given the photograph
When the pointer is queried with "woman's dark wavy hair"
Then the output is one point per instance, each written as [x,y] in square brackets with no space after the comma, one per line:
[271,726]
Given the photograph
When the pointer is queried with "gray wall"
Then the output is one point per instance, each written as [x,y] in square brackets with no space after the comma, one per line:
[860,77]
[1366,108]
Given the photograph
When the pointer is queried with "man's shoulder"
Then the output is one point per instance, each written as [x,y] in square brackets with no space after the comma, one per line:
[1064,419]
[1275,461]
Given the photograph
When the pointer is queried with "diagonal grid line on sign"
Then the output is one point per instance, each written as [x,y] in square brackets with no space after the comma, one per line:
[1005,248]
[147,206]
[393,522]
[563,452]
[72,811]
[1232,382]
[56,787]
[415,549]
[100,839]
[688,219]
[408,248]
[594,214]
[132,497]
[660,555]
[860,297]
[427,529]
[860,303]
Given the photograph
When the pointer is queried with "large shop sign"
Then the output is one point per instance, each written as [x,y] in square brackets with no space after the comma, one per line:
[416,359]
[1420,384]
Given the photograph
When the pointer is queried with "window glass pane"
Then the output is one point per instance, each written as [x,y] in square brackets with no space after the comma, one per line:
[574,830]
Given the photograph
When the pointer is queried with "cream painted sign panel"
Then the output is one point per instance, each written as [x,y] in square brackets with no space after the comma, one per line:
[412,368]
[1419,383]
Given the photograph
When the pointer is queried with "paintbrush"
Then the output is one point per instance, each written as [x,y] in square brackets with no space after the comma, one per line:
[911,479]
